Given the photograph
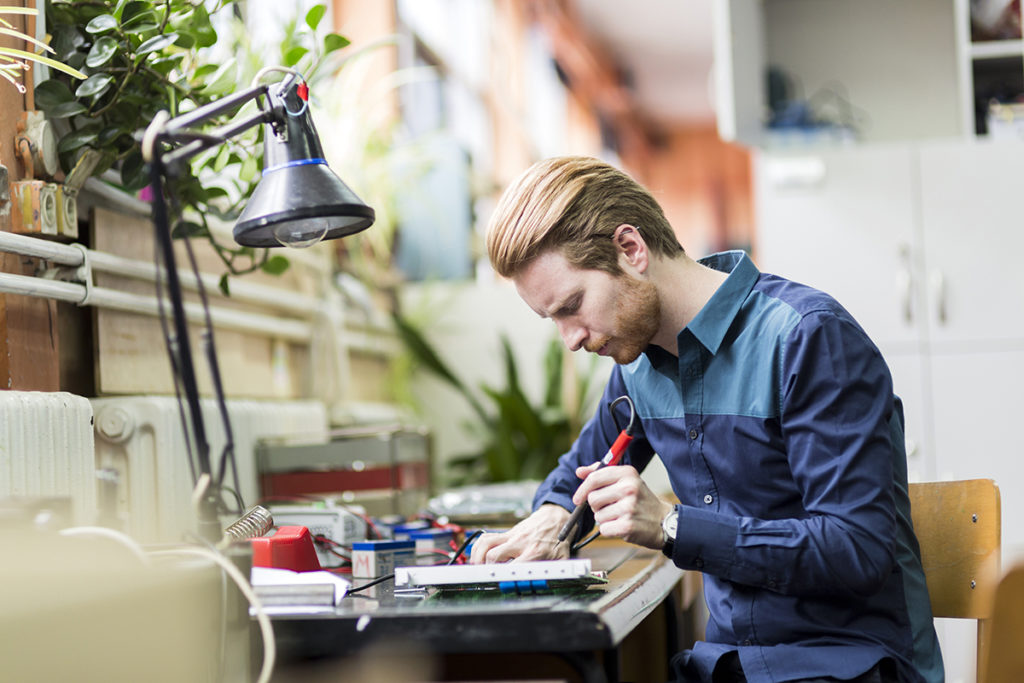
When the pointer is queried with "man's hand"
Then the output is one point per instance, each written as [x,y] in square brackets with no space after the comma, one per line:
[534,538]
[624,507]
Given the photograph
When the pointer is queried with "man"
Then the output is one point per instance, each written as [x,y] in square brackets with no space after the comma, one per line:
[775,418]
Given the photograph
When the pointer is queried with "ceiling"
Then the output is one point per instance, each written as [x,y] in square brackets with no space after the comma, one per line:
[663,47]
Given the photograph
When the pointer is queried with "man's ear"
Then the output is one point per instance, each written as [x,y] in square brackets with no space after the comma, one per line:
[633,254]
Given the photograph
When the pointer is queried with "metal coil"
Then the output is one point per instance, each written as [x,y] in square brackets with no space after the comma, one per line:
[255,522]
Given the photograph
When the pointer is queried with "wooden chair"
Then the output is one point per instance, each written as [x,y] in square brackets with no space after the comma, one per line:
[958,525]
[1005,663]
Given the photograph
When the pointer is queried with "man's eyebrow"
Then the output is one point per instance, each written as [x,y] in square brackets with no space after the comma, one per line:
[564,306]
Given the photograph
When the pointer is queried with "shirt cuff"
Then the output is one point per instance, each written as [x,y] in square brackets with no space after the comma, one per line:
[705,540]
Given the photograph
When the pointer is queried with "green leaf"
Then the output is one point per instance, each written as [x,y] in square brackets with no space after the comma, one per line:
[223,154]
[315,15]
[66,41]
[101,51]
[76,139]
[332,42]
[96,84]
[424,353]
[158,42]
[52,93]
[185,41]
[188,229]
[248,170]
[132,11]
[222,284]
[223,80]
[108,136]
[63,110]
[141,22]
[204,71]
[133,172]
[101,24]
[275,265]
[553,373]
[292,56]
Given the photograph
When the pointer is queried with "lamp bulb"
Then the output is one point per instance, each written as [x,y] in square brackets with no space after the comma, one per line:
[300,235]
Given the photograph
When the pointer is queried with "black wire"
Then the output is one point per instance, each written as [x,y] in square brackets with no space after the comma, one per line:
[582,544]
[238,498]
[368,585]
[632,414]
[462,548]
[227,456]
[171,343]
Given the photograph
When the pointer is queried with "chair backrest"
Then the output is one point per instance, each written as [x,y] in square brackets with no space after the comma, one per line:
[958,524]
[1005,663]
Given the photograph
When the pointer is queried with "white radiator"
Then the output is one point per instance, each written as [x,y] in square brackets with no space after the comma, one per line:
[139,441]
[46,449]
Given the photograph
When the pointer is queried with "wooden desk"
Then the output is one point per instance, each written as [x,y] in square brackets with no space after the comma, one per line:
[572,624]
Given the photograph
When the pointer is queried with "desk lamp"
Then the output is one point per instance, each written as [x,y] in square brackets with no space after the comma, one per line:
[298,202]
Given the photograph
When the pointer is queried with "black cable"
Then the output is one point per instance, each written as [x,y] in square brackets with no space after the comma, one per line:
[585,542]
[238,498]
[462,548]
[632,414]
[368,585]
[227,456]
[171,344]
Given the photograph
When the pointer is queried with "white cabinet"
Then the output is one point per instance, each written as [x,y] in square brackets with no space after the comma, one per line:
[923,243]
[843,70]
[847,222]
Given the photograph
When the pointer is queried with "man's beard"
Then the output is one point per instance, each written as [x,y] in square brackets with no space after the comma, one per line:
[637,319]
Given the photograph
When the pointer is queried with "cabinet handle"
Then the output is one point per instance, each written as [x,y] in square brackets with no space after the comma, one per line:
[938,284]
[905,285]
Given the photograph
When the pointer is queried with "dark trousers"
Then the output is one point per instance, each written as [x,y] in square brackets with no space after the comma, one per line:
[728,670]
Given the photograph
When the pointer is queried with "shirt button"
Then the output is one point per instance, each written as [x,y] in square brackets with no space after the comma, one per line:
[746,642]
[693,433]
[772,584]
[698,563]
[708,499]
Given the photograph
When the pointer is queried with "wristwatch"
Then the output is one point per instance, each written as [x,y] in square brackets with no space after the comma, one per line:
[668,531]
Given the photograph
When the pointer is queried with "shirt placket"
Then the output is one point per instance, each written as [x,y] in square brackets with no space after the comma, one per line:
[691,374]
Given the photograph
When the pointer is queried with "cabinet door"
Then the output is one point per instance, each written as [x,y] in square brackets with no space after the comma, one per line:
[972,194]
[738,27]
[977,413]
[844,222]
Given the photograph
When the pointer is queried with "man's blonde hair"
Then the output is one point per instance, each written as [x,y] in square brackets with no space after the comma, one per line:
[573,204]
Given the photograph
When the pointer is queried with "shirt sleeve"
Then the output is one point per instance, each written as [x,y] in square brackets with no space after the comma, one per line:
[594,440]
[841,435]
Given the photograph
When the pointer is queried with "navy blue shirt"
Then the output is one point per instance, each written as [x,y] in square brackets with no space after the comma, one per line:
[783,440]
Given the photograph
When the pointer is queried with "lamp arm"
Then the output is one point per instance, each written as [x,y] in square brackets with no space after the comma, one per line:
[164,128]
[215,137]
[213,109]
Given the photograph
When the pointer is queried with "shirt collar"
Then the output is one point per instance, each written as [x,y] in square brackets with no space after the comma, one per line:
[713,321]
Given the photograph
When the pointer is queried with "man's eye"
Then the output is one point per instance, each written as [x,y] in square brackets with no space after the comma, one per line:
[570,308]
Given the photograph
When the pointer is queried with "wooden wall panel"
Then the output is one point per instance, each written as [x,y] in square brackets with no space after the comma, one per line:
[131,355]
[28,326]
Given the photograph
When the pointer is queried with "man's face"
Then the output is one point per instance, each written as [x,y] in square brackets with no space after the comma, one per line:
[605,314]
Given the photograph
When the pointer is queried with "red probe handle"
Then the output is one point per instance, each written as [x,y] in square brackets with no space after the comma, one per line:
[618,448]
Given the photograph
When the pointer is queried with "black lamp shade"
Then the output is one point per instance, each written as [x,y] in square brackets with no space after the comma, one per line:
[300,200]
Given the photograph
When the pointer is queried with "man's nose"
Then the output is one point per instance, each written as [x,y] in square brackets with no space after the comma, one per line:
[572,334]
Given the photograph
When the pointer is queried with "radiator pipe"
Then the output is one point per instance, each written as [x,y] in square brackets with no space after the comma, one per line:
[290,330]
[73,256]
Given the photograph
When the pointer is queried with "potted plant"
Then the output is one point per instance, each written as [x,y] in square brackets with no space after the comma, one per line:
[140,57]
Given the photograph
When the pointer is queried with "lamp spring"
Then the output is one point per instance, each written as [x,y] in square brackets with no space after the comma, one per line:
[255,522]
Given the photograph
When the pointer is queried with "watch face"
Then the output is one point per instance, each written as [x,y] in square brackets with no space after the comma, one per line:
[670,523]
